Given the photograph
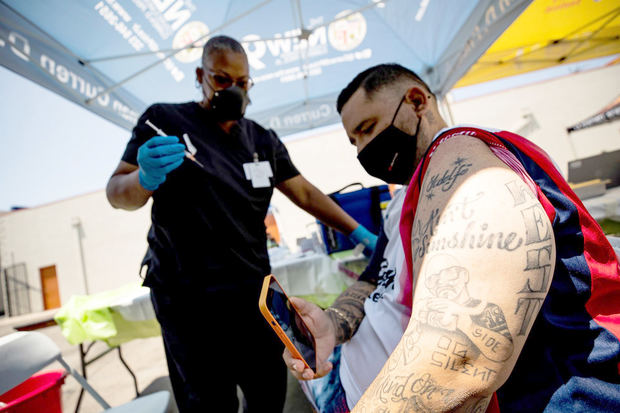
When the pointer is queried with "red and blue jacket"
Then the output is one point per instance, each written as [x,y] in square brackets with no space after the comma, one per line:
[571,359]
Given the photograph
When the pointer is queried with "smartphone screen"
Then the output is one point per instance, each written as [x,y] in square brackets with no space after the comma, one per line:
[292,324]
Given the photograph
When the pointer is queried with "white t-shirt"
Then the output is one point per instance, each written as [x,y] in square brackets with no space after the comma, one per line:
[386,318]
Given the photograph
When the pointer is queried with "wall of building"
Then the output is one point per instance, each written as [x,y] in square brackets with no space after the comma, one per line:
[555,105]
[113,244]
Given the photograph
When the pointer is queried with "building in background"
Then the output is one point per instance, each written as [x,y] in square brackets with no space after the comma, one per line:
[76,246]
[543,111]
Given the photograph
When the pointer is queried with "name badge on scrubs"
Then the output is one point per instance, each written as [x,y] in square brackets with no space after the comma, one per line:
[258,172]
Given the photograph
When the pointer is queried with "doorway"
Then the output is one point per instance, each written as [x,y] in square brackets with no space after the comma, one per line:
[49,287]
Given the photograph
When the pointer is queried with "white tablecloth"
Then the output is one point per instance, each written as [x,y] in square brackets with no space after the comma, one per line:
[300,274]
[135,305]
[310,273]
[606,205]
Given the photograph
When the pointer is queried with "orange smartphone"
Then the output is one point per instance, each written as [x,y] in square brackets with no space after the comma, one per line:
[285,320]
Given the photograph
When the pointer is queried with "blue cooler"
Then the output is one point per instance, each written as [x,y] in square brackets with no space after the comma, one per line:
[364,205]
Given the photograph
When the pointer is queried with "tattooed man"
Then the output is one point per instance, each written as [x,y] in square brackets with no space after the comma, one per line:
[505,293]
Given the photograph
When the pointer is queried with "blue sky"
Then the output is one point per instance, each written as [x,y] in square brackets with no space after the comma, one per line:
[52,149]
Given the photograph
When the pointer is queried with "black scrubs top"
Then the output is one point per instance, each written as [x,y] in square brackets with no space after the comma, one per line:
[207,224]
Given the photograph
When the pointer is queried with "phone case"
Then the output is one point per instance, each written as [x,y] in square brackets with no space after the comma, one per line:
[262,305]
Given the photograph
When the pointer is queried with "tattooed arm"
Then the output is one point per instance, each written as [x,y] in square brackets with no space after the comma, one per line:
[483,257]
[347,311]
[333,326]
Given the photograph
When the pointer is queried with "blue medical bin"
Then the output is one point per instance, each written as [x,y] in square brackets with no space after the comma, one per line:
[364,205]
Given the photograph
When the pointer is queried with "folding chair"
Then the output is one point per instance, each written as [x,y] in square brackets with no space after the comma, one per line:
[26,352]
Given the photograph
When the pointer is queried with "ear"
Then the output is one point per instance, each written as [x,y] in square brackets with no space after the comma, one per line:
[199,74]
[418,98]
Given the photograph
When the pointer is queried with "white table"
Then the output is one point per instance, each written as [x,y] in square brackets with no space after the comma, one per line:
[310,273]
[606,205]
[135,305]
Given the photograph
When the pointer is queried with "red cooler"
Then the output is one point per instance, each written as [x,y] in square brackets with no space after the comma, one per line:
[39,394]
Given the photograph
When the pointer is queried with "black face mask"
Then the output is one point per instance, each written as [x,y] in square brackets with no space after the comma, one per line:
[230,103]
[390,156]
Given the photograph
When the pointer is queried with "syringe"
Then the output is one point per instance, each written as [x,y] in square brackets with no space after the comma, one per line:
[160,132]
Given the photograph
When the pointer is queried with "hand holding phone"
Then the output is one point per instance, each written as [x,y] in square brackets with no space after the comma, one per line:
[298,323]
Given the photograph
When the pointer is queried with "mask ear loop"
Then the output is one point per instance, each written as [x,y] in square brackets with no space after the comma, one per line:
[206,80]
[397,109]
[415,136]
[417,128]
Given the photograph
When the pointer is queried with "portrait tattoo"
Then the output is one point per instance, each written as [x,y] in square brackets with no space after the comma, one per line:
[481,327]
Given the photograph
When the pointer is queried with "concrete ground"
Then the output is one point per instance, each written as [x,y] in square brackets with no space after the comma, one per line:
[113,382]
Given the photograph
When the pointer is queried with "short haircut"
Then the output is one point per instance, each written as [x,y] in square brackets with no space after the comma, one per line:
[221,44]
[375,78]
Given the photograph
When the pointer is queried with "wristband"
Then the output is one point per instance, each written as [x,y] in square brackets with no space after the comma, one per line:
[340,314]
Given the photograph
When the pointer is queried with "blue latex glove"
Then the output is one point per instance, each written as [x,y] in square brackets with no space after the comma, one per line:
[362,236]
[157,157]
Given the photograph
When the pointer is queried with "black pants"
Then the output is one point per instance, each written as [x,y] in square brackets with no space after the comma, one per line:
[215,341]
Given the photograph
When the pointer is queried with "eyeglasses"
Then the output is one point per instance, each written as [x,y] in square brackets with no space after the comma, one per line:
[223,81]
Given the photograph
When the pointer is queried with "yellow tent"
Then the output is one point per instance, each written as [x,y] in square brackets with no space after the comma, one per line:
[548,33]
